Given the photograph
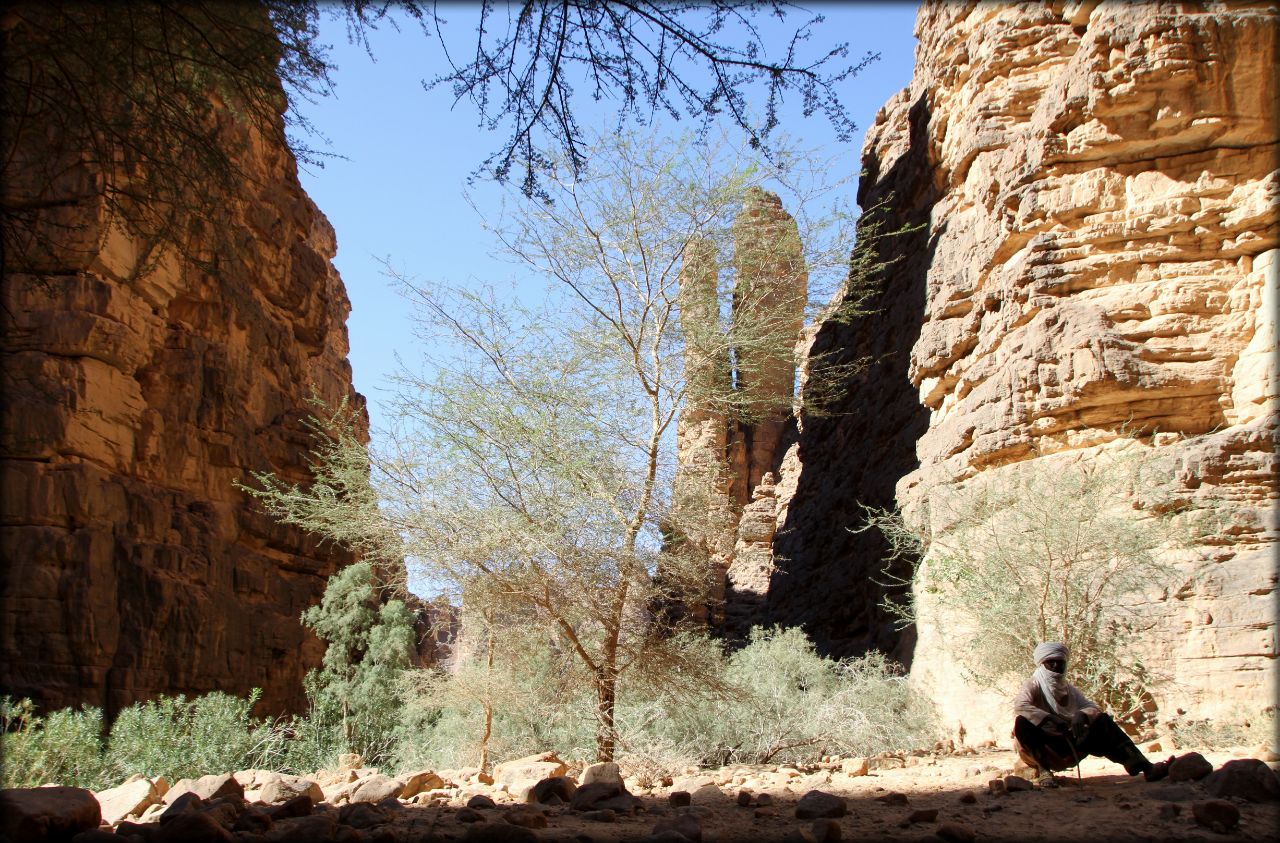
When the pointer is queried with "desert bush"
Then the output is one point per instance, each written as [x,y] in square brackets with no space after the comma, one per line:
[789,704]
[179,738]
[64,747]
[1019,557]
[1238,728]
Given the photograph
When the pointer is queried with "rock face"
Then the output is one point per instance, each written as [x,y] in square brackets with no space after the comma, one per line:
[729,433]
[1096,270]
[135,396]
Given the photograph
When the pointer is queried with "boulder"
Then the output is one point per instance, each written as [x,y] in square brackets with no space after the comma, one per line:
[854,766]
[481,802]
[1216,815]
[421,781]
[1244,778]
[130,798]
[37,814]
[375,788]
[363,815]
[1190,767]
[276,788]
[206,787]
[552,790]
[605,771]
[817,803]
[525,816]
[519,776]
[192,827]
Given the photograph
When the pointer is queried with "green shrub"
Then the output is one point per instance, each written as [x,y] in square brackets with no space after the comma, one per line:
[63,748]
[179,738]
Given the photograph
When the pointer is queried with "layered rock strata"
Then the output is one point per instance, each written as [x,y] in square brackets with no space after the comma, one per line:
[136,396]
[1097,274]
[741,387]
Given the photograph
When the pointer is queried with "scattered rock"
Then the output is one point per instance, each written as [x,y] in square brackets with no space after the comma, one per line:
[623,803]
[817,803]
[481,802]
[679,798]
[375,788]
[362,815]
[764,800]
[923,815]
[206,787]
[317,827]
[606,772]
[519,776]
[996,787]
[1216,814]
[605,815]
[1013,784]
[525,816]
[192,827]
[893,797]
[276,789]
[299,806]
[1245,778]
[130,798]
[468,815]
[588,797]
[47,813]
[686,826]
[561,788]
[1190,767]
[762,812]
[854,766]
[184,804]
[256,820]
[744,798]
[493,833]
[423,780]
[955,833]
[969,797]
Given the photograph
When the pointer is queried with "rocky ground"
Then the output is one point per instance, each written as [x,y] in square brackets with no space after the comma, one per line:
[973,795]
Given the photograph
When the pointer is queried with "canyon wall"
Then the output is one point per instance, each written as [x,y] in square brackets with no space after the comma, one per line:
[135,397]
[1094,274]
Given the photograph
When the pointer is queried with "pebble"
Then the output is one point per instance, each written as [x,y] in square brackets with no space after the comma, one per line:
[1216,814]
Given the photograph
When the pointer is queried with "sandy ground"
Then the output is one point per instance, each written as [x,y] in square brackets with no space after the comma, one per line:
[1105,804]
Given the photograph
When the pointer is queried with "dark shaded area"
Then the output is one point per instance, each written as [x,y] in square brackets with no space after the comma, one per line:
[854,454]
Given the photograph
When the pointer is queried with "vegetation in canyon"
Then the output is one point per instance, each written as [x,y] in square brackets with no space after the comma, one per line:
[1021,557]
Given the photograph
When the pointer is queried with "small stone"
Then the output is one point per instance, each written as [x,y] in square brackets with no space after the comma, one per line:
[996,787]
[605,815]
[1013,784]
[525,816]
[762,812]
[968,797]
[679,798]
[744,798]
[826,831]
[1216,814]
[279,788]
[764,800]
[893,797]
[1190,767]
[955,833]
[923,815]
[469,815]
[481,802]
[817,803]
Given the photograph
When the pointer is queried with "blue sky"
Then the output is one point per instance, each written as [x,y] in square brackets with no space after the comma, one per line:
[397,194]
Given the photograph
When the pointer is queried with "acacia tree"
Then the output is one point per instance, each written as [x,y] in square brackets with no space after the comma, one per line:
[532,462]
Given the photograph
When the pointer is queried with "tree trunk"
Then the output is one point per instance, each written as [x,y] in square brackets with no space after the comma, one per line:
[606,699]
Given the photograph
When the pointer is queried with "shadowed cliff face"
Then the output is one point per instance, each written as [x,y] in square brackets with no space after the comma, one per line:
[1097,272]
[826,577]
[135,397]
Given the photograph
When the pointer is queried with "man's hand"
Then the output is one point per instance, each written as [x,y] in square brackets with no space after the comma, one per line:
[1079,726]
[1054,725]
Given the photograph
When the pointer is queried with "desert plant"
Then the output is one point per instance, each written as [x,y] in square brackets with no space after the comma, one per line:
[177,738]
[64,747]
[1025,555]
[355,693]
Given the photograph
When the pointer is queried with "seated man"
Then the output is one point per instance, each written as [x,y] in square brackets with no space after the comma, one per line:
[1055,725]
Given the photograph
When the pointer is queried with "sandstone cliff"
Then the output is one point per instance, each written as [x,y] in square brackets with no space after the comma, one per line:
[136,395]
[1097,270]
